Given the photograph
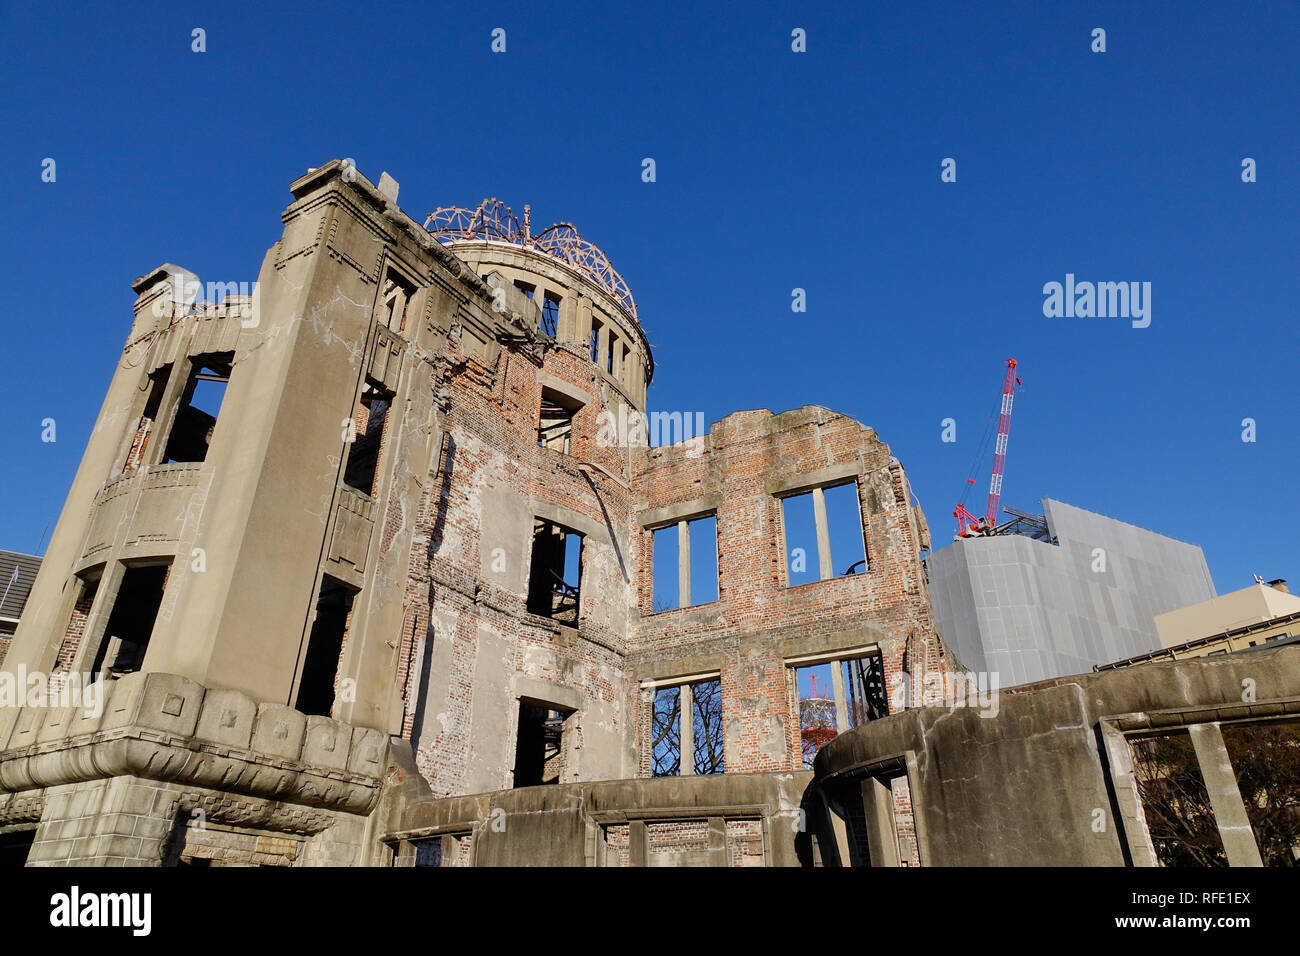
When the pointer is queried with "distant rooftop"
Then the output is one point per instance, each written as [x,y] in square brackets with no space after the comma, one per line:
[17,574]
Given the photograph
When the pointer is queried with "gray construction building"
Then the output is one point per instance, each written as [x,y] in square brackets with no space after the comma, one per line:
[1052,595]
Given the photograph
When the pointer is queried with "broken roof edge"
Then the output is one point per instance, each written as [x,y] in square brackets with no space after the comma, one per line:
[821,413]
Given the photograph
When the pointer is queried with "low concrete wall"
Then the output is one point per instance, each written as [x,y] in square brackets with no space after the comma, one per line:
[720,820]
[1046,781]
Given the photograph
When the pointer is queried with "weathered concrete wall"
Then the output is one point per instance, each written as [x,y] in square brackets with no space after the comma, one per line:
[719,820]
[1035,783]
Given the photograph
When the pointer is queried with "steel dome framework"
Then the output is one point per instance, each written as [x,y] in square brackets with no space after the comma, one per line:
[494,221]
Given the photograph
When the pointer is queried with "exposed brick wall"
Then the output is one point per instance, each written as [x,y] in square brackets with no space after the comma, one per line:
[745,842]
[756,612]
[76,629]
[467,586]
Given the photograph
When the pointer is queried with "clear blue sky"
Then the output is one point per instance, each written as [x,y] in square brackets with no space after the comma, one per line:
[775,170]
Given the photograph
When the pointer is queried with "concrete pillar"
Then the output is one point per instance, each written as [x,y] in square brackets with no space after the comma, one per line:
[583,323]
[717,841]
[839,834]
[568,325]
[1225,797]
[841,704]
[683,564]
[823,534]
[602,347]
[636,843]
[686,737]
[882,834]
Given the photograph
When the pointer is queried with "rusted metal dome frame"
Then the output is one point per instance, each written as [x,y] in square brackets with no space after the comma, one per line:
[494,221]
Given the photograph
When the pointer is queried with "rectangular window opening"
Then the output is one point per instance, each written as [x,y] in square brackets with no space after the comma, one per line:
[595,340]
[550,314]
[556,572]
[821,716]
[685,571]
[829,545]
[665,732]
[428,852]
[706,725]
[555,421]
[200,405]
[370,425]
[539,743]
[320,667]
[1175,801]
[130,622]
[817,717]
[397,297]
[525,288]
[705,748]
[1265,760]
[148,420]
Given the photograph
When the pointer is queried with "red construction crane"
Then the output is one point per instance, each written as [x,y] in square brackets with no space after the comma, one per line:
[967,524]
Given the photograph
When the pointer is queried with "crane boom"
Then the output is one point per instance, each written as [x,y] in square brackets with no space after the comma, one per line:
[968,524]
[1000,449]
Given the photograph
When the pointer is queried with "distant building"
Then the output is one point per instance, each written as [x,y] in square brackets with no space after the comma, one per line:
[17,572]
[1262,615]
[1057,594]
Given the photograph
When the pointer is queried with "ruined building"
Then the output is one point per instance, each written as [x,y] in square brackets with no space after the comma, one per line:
[360,568]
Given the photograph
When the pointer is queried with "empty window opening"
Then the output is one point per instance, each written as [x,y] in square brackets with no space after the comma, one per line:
[609,354]
[556,572]
[87,587]
[428,852]
[200,405]
[879,823]
[15,844]
[370,424]
[320,668]
[835,696]
[148,421]
[555,422]
[701,737]
[595,340]
[550,314]
[539,744]
[685,564]
[1265,763]
[823,534]
[396,302]
[525,288]
[818,724]
[1175,802]
[131,621]
[665,732]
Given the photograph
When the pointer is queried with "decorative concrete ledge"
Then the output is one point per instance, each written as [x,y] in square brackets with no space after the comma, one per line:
[168,728]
